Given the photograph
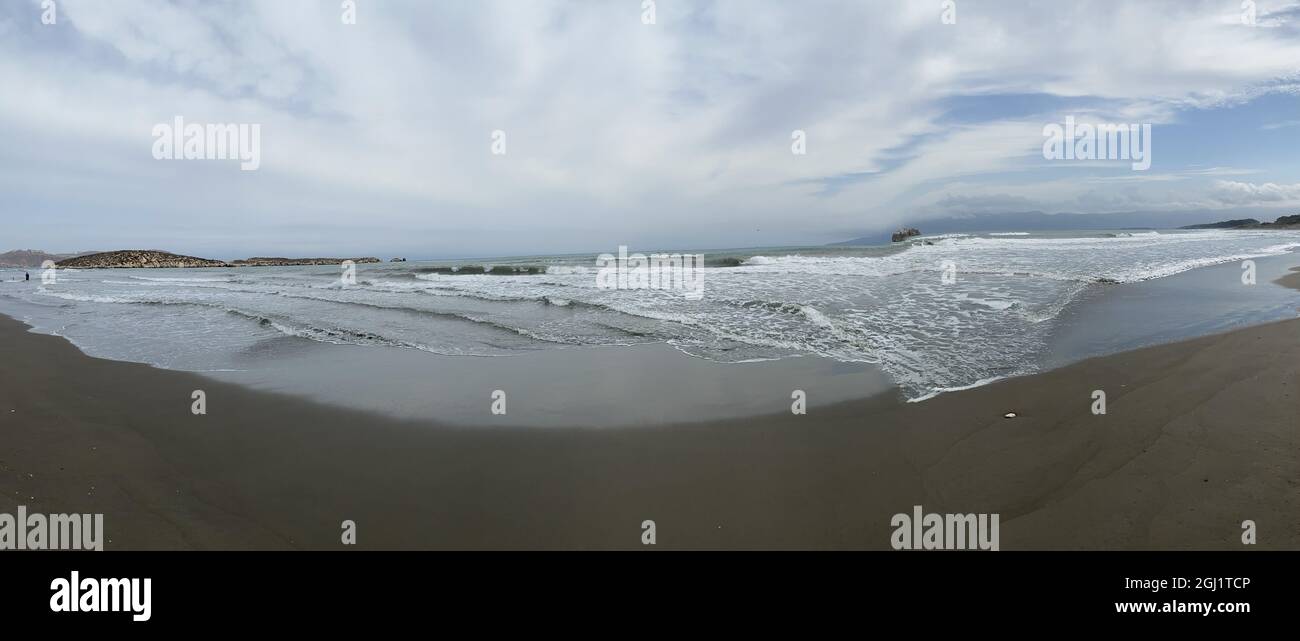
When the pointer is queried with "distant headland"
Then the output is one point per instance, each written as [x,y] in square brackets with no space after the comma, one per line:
[33,257]
[1283,222]
[137,258]
[152,258]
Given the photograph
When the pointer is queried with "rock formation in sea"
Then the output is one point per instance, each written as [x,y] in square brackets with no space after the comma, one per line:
[137,258]
[904,233]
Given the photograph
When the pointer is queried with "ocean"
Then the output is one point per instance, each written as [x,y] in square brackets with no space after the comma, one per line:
[935,314]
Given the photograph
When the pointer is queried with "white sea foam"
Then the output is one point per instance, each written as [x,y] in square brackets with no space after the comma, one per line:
[943,390]
[178,280]
[84,298]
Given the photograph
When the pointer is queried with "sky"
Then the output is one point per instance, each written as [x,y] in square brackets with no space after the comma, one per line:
[677,132]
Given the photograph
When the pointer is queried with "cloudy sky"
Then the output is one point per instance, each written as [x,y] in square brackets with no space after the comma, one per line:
[376,137]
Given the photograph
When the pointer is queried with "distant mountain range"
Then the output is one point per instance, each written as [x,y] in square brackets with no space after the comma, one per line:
[32,257]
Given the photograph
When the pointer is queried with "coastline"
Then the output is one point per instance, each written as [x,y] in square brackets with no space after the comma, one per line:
[380,350]
[268,471]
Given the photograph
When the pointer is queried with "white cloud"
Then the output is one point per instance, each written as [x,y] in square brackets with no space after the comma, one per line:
[617,131]
[1231,192]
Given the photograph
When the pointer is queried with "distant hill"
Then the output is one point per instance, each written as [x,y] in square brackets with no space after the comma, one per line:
[1282,222]
[30,258]
[1224,224]
[154,258]
[137,258]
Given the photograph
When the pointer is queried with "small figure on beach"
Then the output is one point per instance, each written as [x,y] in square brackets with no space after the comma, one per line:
[27,275]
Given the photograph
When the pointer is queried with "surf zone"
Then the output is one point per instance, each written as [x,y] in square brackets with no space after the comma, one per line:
[681,272]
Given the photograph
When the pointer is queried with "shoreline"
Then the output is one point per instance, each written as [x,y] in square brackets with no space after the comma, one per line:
[625,385]
[268,471]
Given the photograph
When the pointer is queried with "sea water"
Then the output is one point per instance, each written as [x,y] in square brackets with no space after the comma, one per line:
[935,314]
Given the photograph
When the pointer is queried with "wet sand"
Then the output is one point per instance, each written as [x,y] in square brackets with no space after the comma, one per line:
[1291,280]
[1198,436]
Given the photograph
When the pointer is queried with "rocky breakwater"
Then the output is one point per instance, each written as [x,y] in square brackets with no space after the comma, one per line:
[287,262]
[137,258]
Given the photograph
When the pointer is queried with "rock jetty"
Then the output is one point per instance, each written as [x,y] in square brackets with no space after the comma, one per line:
[137,258]
[260,261]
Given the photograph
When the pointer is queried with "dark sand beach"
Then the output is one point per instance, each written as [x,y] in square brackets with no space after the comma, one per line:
[1199,436]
